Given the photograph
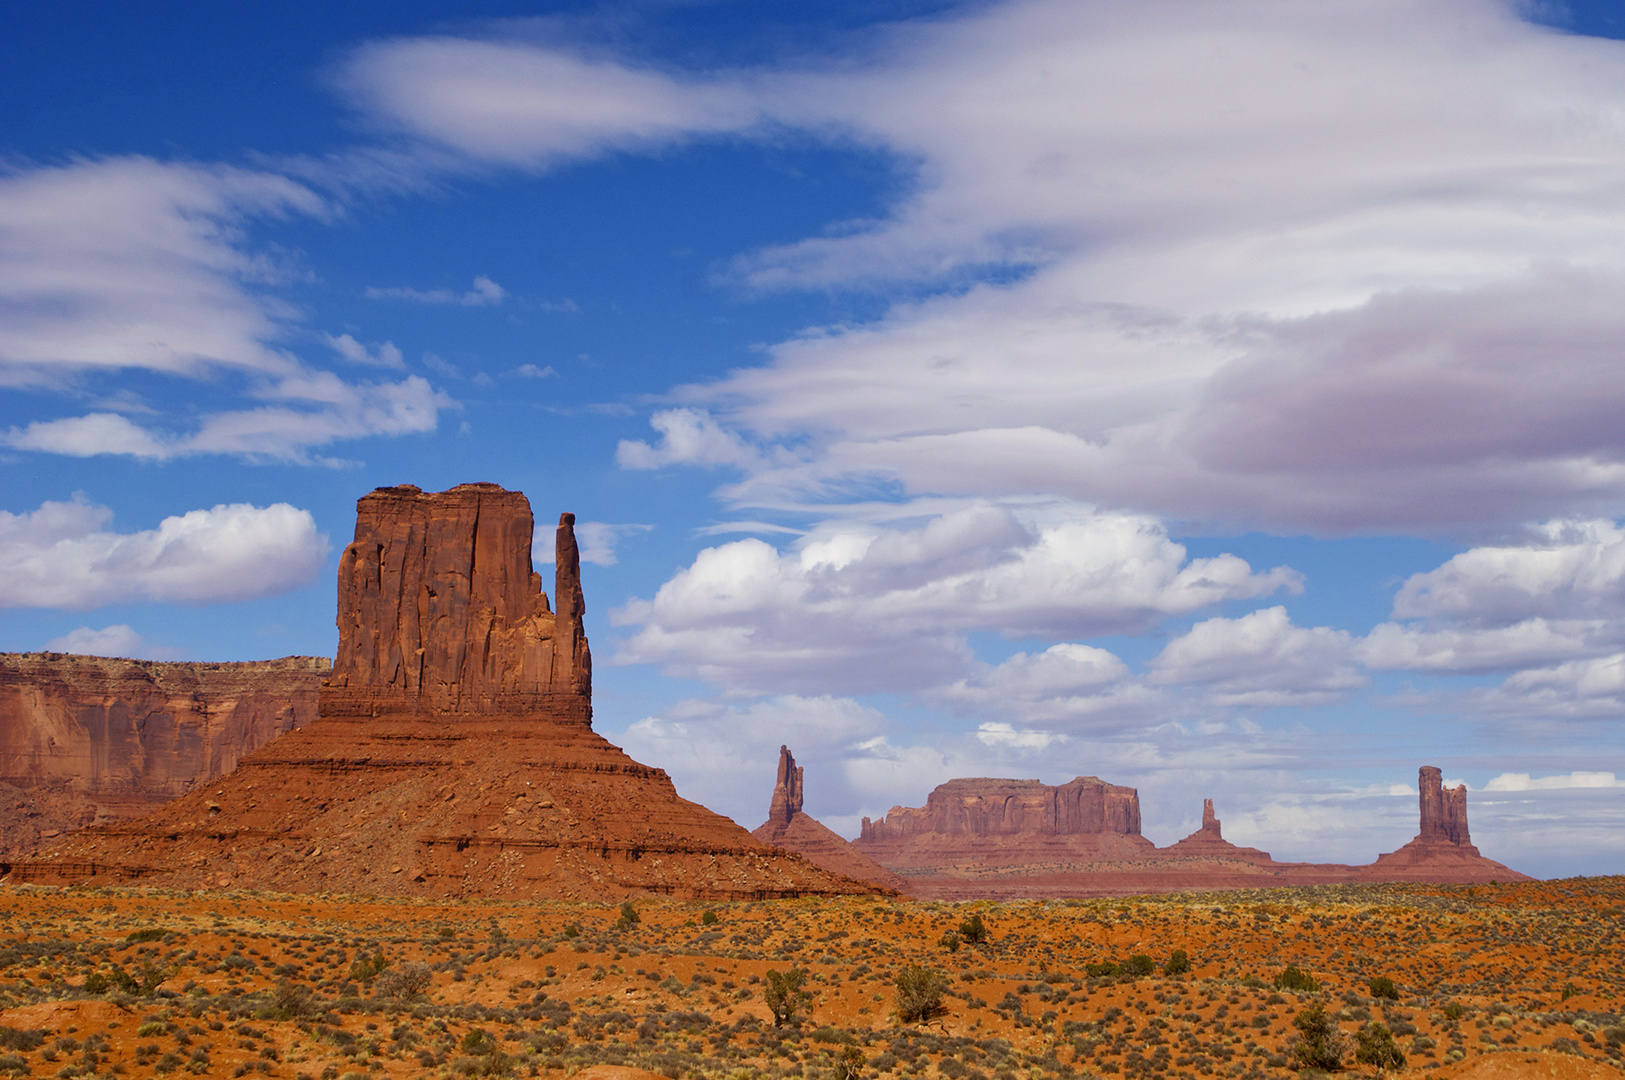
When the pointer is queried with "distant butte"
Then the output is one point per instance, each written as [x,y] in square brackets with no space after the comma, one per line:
[988,838]
[787,827]
[454,753]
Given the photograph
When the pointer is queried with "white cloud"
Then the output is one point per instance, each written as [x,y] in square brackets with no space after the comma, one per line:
[1557,782]
[386,355]
[1065,685]
[344,411]
[1575,690]
[1561,570]
[995,733]
[687,437]
[1261,659]
[531,371]
[1344,267]
[63,556]
[485,293]
[133,263]
[855,606]
[1391,646]
[120,640]
[531,106]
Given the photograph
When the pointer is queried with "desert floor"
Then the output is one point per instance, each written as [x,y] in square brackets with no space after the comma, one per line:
[1492,981]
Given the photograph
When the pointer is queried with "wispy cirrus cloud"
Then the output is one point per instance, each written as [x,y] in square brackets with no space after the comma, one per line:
[484,293]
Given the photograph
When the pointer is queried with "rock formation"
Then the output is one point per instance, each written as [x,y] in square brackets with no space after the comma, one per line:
[453,754]
[787,827]
[1208,842]
[984,826]
[87,739]
[1006,839]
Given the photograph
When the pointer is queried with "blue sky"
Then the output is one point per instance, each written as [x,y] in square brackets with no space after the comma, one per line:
[1216,398]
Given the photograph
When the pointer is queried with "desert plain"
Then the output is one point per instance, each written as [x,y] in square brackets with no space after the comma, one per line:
[1519,979]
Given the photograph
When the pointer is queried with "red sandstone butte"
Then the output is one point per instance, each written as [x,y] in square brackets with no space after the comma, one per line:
[1009,839]
[454,753]
[787,827]
[89,739]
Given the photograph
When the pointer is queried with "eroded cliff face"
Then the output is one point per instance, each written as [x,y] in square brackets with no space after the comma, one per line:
[90,738]
[440,610]
[985,807]
[453,755]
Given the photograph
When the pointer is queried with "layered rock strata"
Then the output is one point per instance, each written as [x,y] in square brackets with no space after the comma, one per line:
[87,739]
[454,753]
[787,827]
[1007,839]
[984,827]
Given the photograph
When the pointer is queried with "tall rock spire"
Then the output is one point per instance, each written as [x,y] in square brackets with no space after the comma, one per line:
[1443,810]
[786,802]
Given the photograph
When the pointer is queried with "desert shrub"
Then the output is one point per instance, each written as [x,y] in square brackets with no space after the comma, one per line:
[1383,987]
[368,967]
[1179,963]
[1294,979]
[950,940]
[784,995]
[1319,1044]
[151,933]
[919,993]
[14,1065]
[629,916]
[1106,969]
[152,1029]
[710,918]
[849,1063]
[405,982]
[1374,1045]
[1453,1011]
[20,1038]
[1139,966]
[974,929]
[97,983]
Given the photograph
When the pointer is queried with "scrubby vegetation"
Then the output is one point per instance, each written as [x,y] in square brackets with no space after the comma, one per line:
[307,988]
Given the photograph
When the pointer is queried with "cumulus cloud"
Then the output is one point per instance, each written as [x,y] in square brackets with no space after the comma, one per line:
[1261,659]
[687,437]
[62,555]
[1065,685]
[485,293]
[120,640]
[855,606]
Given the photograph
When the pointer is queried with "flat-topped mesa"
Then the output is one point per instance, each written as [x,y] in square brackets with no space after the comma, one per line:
[1443,810]
[439,610]
[786,802]
[987,807]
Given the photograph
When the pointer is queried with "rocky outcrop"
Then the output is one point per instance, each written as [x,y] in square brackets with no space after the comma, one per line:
[1443,810]
[984,826]
[453,755]
[1208,842]
[787,827]
[1008,839]
[440,611]
[86,739]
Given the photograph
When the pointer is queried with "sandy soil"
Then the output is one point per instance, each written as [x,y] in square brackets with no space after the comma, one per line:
[1492,982]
